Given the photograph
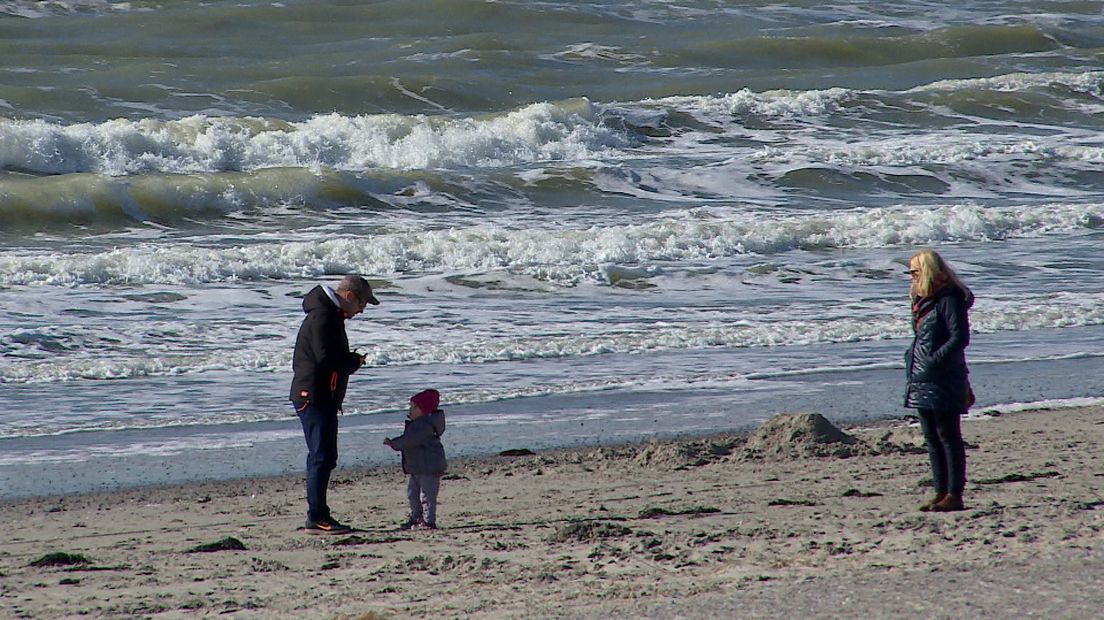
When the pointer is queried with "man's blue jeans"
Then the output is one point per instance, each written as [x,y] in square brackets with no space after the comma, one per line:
[320,432]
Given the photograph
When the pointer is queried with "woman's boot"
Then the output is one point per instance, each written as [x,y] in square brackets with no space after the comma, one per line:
[951,503]
[927,506]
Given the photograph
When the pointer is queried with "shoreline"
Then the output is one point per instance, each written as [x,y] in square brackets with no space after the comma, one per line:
[479,460]
[180,454]
[690,526]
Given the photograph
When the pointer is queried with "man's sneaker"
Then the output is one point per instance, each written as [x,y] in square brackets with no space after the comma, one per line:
[422,525]
[326,526]
[411,524]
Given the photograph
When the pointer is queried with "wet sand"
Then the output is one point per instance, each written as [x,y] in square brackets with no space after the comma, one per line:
[781,524]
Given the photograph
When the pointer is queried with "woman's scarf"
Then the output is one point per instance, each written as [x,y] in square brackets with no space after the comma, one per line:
[923,305]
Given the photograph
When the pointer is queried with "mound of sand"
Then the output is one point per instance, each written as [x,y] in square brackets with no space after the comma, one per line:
[801,435]
[685,453]
[902,439]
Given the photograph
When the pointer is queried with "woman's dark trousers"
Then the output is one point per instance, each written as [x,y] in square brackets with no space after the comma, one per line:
[946,450]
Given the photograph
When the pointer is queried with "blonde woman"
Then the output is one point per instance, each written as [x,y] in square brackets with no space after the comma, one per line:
[938,380]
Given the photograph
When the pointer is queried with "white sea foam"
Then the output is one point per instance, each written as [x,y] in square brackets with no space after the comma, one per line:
[150,168]
[120,366]
[1051,403]
[783,104]
[770,104]
[52,8]
[872,321]
[927,150]
[203,441]
[38,426]
[538,132]
[1089,82]
[565,131]
[564,255]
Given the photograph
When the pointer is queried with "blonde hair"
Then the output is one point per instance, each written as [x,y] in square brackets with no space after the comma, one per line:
[930,265]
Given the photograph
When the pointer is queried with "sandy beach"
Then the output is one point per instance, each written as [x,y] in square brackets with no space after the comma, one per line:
[793,521]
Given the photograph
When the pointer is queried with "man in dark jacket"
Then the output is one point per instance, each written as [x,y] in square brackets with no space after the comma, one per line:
[322,364]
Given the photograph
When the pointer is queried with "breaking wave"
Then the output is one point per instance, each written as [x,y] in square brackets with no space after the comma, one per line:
[562,255]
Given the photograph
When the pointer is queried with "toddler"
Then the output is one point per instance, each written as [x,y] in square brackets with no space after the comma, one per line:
[423,458]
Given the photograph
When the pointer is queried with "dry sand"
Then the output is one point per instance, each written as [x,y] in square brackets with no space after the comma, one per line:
[794,522]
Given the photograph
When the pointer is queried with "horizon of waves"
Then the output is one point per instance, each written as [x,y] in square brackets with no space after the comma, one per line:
[124,171]
[562,255]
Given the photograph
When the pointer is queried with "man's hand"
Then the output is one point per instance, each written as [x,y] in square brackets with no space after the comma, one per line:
[387,442]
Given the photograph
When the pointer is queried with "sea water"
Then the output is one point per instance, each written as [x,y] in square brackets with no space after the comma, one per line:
[587,222]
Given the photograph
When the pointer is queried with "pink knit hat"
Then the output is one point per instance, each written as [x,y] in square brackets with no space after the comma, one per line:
[427,400]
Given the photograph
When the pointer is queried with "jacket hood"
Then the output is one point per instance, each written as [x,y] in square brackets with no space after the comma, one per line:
[966,294]
[437,419]
[317,298]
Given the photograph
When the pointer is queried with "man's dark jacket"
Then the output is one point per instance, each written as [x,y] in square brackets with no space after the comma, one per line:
[322,362]
[936,362]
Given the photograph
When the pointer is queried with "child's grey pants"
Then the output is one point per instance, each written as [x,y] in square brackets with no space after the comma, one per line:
[421,492]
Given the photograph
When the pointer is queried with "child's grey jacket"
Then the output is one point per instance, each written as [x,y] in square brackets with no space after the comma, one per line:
[420,444]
